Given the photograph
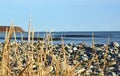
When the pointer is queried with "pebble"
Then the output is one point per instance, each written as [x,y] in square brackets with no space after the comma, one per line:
[113,74]
[73,57]
[34,67]
[75,48]
[15,68]
[102,60]
[85,58]
[70,51]
[118,55]
[111,68]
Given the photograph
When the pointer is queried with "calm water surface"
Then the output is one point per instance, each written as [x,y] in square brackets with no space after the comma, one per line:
[74,37]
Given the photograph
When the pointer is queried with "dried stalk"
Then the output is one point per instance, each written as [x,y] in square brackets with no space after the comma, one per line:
[7,39]
[92,40]
[14,35]
[25,69]
[21,37]
[29,31]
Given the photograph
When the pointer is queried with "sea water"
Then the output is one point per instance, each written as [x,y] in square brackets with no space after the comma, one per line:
[100,37]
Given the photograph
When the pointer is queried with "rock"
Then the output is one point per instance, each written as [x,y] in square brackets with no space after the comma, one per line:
[116,52]
[114,44]
[99,52]
[99,48]
[15,68]
[110,50]
[75,48]
[70,51]
[73,57]
[84,57]
[66,48]
[70,45]
[113,74]
[111,68]
[91,66]
[109,56]
[82,52]
[112,59]
[118,55]
[34,67]
[102,60]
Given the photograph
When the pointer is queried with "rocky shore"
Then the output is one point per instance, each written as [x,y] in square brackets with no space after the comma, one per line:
[61,59]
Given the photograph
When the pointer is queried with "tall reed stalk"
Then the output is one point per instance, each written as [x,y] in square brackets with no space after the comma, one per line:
[29,31]
[4,50]
[14,35]
[92,40]
[21,37]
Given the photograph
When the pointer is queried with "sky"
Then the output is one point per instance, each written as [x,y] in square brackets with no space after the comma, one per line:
[62,15]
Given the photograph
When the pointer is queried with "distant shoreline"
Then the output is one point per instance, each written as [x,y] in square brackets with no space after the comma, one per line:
[17,29]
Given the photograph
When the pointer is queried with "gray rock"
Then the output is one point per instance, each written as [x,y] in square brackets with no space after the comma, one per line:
[111,68]
[34,67]
[99,48]
[70,44]
[113,74]
[118,55]
[109,56]
[116,52]
[15,68]
[110,50]
[75,48]
[91,66]
[82,52]
[102,60]
[84,57]
[114,44]
[70,51]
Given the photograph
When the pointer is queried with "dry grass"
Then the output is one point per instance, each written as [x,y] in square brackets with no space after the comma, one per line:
[29,31]
[92,40]
[21,37]
[39,59]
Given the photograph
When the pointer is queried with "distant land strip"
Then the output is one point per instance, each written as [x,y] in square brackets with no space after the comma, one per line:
[17,29]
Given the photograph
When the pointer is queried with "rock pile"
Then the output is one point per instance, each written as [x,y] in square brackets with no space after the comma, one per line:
[92,61]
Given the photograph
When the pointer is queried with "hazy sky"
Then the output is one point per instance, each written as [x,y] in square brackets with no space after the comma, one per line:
[62,15]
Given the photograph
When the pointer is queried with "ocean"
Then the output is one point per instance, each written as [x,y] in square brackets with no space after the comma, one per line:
[100,37]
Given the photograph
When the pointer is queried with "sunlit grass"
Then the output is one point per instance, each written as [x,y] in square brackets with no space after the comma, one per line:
[37,63]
